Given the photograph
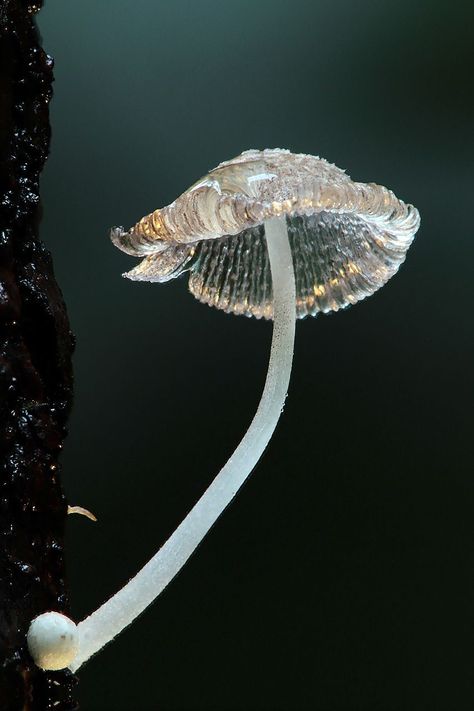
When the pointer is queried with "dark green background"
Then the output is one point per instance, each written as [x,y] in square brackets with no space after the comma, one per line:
[342,578]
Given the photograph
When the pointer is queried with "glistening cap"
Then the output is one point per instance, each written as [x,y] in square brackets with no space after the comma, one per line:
[347,238]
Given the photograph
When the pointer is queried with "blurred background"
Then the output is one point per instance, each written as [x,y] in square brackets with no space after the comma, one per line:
[342,577]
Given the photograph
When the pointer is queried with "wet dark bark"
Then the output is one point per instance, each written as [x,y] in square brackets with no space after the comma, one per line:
[35,373]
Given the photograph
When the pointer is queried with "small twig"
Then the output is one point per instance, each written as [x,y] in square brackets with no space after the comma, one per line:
[82,512]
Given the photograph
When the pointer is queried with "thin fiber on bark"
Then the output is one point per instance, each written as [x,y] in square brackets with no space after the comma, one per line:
[35,374]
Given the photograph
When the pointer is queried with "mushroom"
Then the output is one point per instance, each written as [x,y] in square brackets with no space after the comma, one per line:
[269,234]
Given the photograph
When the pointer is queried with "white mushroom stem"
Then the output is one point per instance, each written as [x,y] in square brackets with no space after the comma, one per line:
[117,613]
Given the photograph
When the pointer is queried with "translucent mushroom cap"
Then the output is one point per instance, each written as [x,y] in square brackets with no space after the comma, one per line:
[347,238]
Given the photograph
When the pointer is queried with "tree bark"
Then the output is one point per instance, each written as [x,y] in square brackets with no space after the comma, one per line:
[35,373]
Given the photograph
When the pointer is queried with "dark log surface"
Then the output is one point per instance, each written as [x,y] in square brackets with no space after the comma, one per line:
[35,373]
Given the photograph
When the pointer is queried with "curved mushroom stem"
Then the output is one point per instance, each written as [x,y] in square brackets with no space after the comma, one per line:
[114,615]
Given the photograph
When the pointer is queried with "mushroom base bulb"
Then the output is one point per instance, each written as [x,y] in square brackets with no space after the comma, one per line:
[53,641]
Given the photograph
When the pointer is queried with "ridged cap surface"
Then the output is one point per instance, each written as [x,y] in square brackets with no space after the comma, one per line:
[347,238]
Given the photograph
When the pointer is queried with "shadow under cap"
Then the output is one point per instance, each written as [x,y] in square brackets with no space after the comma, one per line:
[347,238]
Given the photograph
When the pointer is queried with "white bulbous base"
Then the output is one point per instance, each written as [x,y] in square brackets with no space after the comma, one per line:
[53,641]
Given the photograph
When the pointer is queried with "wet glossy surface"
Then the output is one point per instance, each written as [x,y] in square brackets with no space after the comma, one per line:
[35,375]
[347,238]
